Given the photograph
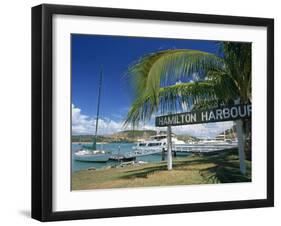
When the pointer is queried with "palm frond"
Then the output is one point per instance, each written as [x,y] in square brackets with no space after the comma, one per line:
[166,67]
[238,61]
[206,104]
[173,97]
[225,87]
[221,80]
[171,100]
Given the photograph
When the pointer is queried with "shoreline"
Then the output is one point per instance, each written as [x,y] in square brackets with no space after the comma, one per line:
[218,168]
[88,142]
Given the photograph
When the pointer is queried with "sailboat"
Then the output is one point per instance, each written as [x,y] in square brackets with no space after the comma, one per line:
[91,154]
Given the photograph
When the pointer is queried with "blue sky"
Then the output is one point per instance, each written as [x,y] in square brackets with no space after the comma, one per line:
[114,54]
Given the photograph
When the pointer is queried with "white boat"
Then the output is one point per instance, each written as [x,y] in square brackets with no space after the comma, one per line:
[142,152]
[93,155]
[87,155]
[220,140]
[217,142]
[157,143]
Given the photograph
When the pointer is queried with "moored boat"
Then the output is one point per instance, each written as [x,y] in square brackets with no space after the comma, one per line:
[219,140]
[157,142]
[91,154]
[87,155]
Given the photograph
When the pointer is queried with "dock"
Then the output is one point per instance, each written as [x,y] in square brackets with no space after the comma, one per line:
[202,148]
[129,156]
[179,149]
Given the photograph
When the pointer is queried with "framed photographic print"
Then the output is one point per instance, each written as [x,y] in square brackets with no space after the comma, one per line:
[144,112]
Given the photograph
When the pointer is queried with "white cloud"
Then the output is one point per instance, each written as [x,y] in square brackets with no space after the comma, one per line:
[83,124]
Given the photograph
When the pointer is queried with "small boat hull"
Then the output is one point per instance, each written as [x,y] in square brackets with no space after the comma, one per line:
[89,156]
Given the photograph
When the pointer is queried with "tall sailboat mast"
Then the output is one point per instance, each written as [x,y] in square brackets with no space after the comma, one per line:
[98,111]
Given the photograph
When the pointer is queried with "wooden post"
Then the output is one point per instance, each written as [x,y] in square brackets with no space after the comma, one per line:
[169,148]
[119,154]
[163,154]
[241,145]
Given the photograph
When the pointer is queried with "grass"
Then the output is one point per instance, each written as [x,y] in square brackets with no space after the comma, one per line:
[206,169]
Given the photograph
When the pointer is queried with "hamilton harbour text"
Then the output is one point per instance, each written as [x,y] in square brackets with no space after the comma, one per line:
[213,115]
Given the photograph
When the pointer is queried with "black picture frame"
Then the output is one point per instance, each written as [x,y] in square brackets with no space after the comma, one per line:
[42,107]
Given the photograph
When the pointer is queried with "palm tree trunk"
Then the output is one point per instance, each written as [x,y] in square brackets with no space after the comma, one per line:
[241,145]
[247,127]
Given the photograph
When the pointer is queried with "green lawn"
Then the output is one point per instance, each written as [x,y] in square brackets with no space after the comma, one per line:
[205,169]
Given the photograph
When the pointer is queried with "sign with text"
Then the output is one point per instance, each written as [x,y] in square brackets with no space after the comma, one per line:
[227,113]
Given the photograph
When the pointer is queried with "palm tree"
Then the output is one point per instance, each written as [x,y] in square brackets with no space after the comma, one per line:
[164,80]
[208,80]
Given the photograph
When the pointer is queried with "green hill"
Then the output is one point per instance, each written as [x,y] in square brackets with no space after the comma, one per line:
[126,136]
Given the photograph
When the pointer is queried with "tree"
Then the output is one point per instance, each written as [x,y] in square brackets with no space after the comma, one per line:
[164,80]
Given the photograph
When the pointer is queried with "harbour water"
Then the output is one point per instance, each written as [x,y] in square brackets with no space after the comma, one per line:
[115,148]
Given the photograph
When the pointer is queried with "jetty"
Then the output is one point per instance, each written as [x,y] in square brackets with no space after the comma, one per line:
[129,156]
[176,149]
[203,148]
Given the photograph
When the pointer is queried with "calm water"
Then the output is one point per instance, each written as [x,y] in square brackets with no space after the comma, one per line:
[113,147]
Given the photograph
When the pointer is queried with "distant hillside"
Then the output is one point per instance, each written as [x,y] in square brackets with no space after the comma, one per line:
[127,136]
[187,138]
[135,134]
